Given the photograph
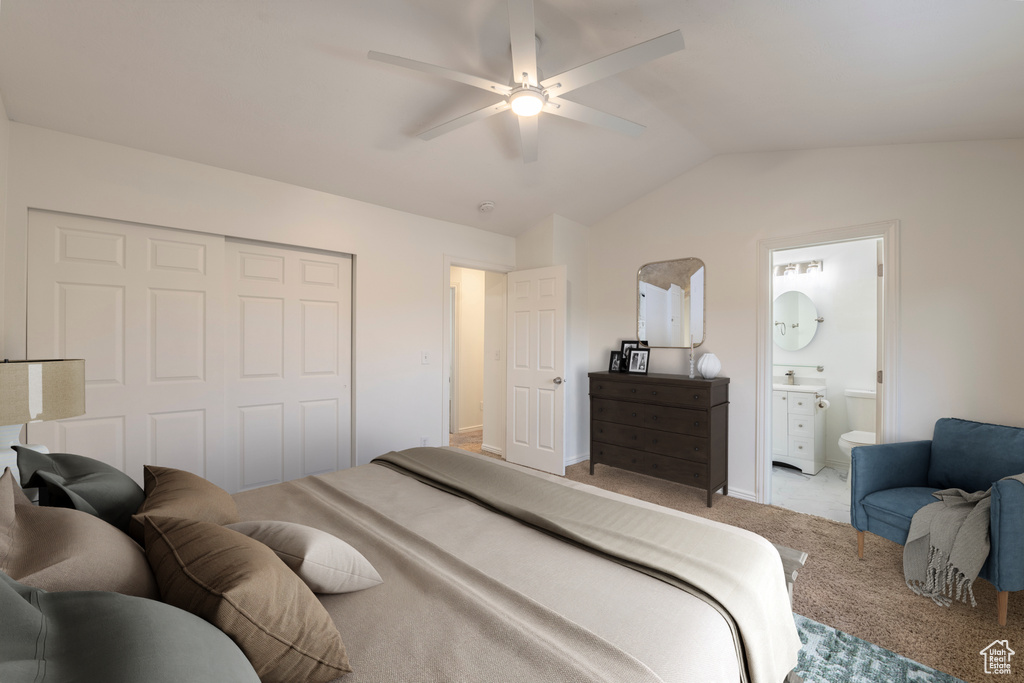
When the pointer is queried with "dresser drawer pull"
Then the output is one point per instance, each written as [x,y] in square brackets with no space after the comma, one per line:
[634,414]
[654,393]
[696,449]
[633,390]
[696,397]
[654,466]
[635,437]
[696,424]
[654,441]
[654,418]
[696,475]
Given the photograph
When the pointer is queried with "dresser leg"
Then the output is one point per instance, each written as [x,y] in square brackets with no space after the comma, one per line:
[725,489]
[591,467]
[709,497]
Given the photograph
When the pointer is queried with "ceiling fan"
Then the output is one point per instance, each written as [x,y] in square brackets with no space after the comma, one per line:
[527,95]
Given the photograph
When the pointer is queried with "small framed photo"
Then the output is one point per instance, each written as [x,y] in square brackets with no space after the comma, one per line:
[628,346]
[638,359]
[615,362]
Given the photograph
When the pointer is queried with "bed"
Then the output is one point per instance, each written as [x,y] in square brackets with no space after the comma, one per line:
[491,573]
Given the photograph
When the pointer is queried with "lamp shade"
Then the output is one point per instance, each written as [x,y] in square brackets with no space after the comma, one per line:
[37,390]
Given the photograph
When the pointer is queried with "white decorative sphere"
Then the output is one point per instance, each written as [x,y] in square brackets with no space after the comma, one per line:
[709,366]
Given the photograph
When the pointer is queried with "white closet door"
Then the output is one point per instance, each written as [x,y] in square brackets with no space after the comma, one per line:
[142,306]
[287,363]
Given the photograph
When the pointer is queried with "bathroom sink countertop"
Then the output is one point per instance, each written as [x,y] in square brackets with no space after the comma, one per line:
[809,388]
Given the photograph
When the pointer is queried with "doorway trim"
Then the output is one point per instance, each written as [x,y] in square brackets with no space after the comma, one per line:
[446,328]
[889,232]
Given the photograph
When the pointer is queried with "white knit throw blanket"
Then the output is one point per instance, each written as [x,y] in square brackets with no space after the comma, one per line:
[948,544]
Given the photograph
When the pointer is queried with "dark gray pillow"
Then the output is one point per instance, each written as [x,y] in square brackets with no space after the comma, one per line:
[92,636]
[86,484]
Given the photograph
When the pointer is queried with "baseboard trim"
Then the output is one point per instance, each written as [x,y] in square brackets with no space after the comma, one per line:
[463,430]
[578,459]
[838,464]
[492,449]
[742,495]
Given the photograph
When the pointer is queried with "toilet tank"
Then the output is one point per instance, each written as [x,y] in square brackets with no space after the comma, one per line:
[860,409]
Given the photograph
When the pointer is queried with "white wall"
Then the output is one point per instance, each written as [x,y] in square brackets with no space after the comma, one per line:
[5,135]
[470,347]
[399,258]
[495,371]
[558,241]
[844,294]
[961,213]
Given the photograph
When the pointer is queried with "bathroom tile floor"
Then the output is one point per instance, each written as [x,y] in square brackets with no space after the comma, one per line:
[824,494]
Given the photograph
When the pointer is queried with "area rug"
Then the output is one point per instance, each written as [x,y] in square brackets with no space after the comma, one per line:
[830,656]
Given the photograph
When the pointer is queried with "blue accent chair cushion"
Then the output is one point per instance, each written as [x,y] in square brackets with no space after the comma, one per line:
[891,482]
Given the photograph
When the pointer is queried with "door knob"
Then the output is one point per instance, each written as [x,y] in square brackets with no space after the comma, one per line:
[558,380]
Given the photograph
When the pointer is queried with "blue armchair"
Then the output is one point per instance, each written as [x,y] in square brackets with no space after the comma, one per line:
[890,482]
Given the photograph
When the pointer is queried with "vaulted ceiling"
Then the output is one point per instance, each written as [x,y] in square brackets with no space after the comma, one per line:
[283,89]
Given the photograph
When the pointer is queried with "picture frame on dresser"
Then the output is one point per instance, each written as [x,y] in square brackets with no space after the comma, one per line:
[615,362]
[639,359]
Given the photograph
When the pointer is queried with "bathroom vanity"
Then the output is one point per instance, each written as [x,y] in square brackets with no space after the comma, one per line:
[798,426]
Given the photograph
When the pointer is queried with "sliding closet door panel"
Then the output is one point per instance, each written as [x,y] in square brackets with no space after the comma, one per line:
[287,362]
[142,305]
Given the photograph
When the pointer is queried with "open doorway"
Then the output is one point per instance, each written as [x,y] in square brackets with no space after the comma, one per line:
[827,345]
[476,354]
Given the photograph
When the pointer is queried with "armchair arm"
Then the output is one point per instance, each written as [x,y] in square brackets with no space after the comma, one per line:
[886,466]
[1006,558]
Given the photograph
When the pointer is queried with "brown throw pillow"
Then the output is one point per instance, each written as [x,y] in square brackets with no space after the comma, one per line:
[240,586]
[60,549]
[177,493]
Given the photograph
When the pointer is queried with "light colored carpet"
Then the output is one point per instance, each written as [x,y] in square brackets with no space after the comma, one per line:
[468,441]
[865,598]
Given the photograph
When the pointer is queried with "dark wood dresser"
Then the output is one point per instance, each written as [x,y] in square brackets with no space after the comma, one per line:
[666,426]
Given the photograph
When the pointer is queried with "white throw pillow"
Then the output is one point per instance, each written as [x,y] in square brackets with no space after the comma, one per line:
[326,563]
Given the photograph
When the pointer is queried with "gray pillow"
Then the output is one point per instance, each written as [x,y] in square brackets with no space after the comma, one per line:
[86,484]
[93,636]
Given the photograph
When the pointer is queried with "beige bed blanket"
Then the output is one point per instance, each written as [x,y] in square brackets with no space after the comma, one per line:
[729,567]
[471,596]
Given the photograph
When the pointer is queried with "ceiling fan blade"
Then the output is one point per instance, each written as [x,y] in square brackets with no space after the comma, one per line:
[468,79]
[579,112]
[464,120]
[613,63]
[528,137]
[523,32]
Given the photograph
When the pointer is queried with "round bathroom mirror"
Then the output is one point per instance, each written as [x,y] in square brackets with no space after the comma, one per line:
[796,320]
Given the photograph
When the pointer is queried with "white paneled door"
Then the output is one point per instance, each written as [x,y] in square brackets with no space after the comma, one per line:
[226,359]
[536,369]
[288,362]
[142,306]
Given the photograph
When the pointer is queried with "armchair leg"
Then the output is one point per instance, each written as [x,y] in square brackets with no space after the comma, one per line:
[1002,603]
[860,544]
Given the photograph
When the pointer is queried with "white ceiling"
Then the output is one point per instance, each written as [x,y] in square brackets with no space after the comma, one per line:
[283,89]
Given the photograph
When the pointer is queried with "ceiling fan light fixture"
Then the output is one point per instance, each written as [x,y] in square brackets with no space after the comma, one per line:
[527,101]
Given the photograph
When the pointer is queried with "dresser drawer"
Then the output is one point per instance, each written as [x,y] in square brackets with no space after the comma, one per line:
[693,448]
[698,397]
[617,456]
[680,420]
[620,435]
[622,412]
[801,403]
[674,469]
[801,425]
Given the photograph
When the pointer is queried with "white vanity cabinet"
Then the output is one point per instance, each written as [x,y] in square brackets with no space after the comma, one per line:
[798,428]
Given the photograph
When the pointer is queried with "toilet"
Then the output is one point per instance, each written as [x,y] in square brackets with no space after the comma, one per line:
[860,418]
